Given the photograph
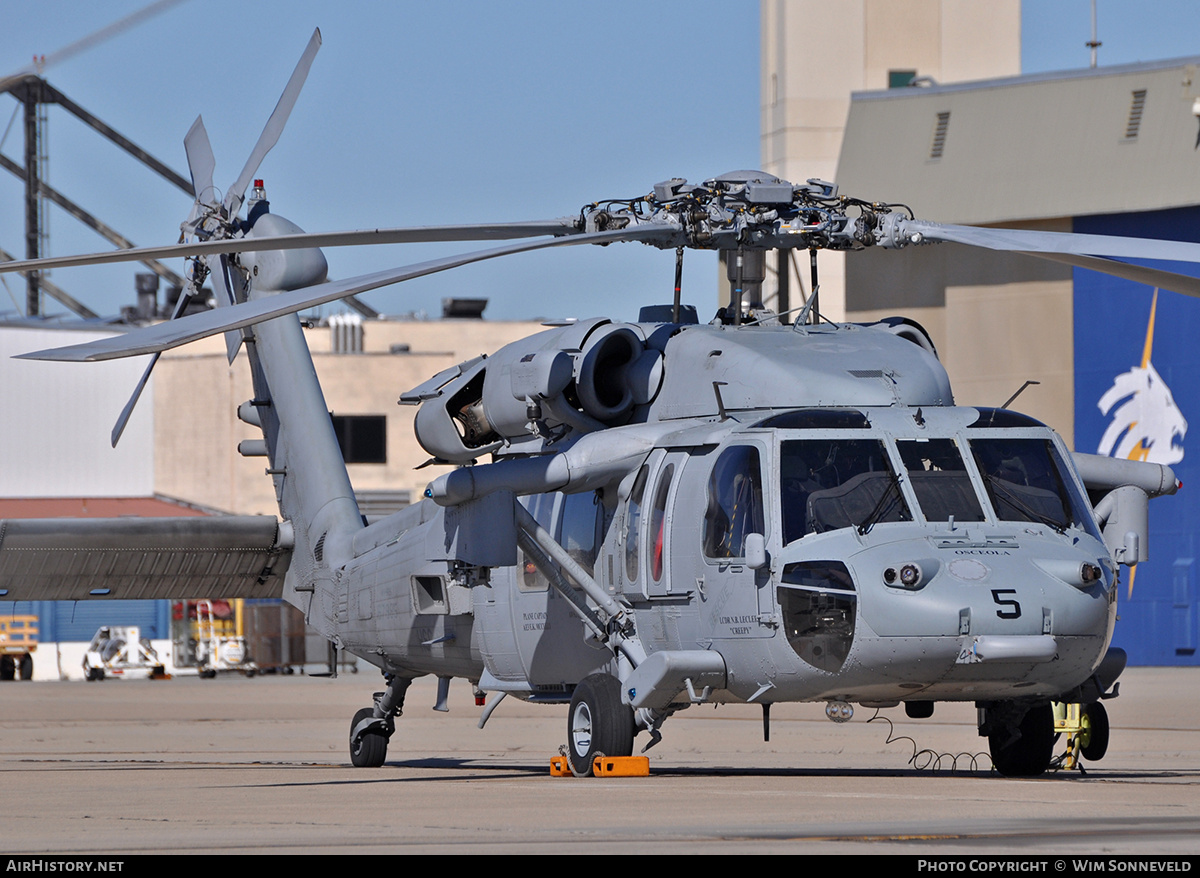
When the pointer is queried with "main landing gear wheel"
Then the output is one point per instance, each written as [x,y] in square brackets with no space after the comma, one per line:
[1093,737]
[1026,750]
[598,723]
[8,667]
[370,750]
[26,667]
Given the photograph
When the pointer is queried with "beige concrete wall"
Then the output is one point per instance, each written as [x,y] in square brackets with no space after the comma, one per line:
[994,338]
[197,394]
[1002,336]
[196,431]
[997,320]
[815,53]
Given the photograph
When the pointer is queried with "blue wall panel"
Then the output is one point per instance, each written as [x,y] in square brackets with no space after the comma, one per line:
[1158,619]
[67,621]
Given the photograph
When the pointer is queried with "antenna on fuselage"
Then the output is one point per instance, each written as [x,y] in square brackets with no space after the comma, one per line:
[1021,390]
[678,284]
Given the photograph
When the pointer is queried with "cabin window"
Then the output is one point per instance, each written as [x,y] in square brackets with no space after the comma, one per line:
[939,479]
[541,507]
[579,520]
[658,522]
[735,502]
[828,484]
[633,517]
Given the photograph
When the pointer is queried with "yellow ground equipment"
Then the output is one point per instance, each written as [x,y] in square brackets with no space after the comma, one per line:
[221,641]
[18,642]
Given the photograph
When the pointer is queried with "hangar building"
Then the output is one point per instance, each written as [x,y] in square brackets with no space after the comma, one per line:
[1105,151]
[941,123]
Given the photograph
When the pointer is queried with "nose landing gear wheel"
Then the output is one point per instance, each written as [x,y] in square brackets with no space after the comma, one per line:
[1024,750]
[598,723]
[370,750]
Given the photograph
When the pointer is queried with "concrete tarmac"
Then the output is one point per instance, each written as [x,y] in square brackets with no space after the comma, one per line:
[261,766]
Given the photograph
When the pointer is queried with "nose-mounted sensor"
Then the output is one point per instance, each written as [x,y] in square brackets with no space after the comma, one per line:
[906,576]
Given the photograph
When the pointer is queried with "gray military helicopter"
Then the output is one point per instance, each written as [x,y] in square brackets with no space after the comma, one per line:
[647,516]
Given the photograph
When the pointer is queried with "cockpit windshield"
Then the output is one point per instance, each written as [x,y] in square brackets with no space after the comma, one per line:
[834,483]
[1024,481]
[939,479]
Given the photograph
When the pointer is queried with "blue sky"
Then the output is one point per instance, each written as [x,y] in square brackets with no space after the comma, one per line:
[419,113]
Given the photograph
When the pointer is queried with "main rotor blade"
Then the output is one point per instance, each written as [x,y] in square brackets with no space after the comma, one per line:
[93,39]
[1103,253]
[410,235]
[174,333]
[1152,277]
[274,126]
[1034,241]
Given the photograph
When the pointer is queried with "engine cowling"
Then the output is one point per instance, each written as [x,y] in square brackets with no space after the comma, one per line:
[586,376]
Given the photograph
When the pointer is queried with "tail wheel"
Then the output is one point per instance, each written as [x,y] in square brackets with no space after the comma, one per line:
[1093,738]
[370,750]
[1024,750]
[598,723]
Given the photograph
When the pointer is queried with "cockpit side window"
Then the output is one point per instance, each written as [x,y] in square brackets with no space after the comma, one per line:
[833,483]
[735,502]
[939,479]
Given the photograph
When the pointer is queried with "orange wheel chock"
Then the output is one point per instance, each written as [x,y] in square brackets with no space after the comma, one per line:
[559,767]
[621,766]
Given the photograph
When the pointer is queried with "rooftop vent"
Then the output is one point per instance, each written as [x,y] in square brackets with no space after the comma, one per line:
[1135,114]
[471,309]
[346,333]
[939,135]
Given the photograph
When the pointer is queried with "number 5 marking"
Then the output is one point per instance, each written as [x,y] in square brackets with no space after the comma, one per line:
[1015,612]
